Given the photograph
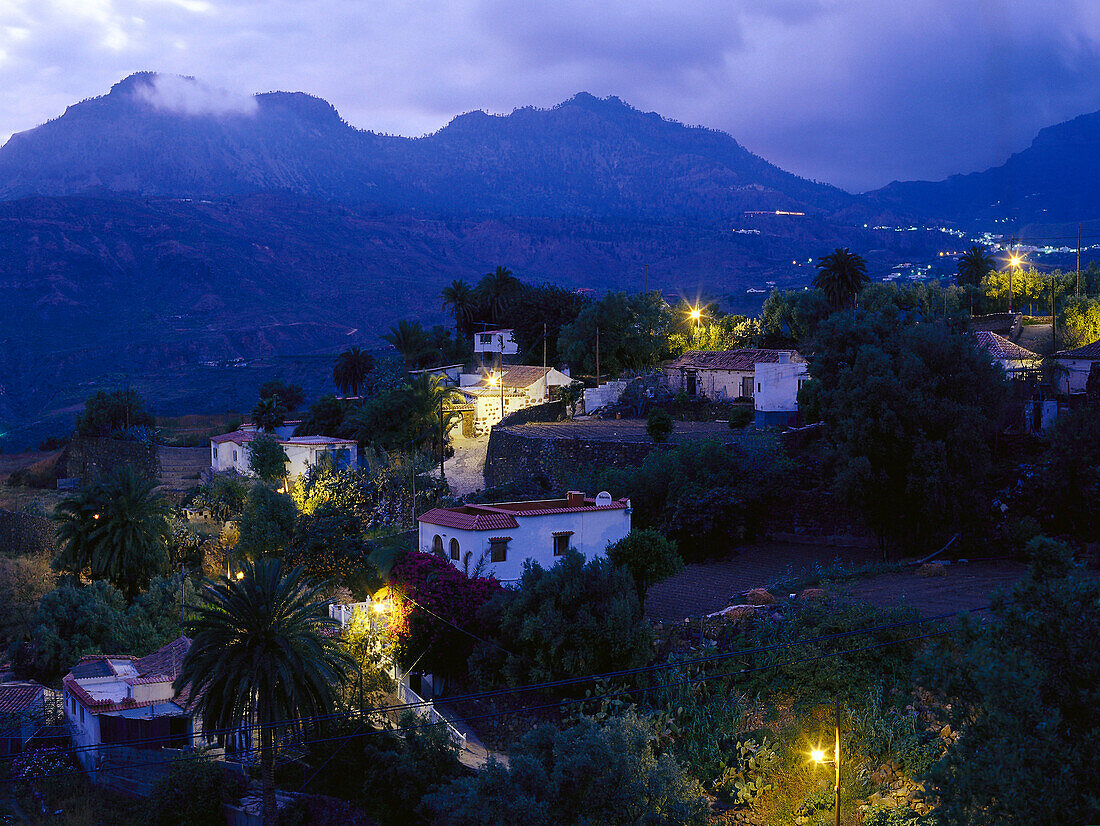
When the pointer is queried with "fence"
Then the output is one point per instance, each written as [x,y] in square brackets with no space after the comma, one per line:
[426,709]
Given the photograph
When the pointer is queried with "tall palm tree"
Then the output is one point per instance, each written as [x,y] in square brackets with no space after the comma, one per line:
[269,413]
[840,275]
[462,299]
[409,338]
[427,396]
[494,289]
[115,530]
[974,265]
[351,369]
[262,649]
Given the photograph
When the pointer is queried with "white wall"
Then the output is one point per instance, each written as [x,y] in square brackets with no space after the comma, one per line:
[84,733]
[777,386]
[717,385]
[533,539]
[1075,375]
[496,341]
[232,456]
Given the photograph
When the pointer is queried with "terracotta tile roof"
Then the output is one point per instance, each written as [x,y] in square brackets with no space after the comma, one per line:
[241,437]
[1089,351]
[162,666]
[1000,347]
[518,375]
[164,662]
[744,360]
[16,697]
[469,518]
[503,515]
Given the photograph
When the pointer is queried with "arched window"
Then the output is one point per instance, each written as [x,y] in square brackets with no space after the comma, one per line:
[437,544]
[456,553]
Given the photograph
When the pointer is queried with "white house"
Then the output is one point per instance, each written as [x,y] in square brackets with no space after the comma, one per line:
[495,343]
[776,393]
[523,386]
[721,375]
[507,534]
[1076,366]
[119,700]
[448,375]
[230,450]
[1015,360]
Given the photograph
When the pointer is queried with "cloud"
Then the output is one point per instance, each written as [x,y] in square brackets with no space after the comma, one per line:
[187,96]
[852,93]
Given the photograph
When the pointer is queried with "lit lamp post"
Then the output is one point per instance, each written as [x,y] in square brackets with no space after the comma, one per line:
[695,315]
[494,381]
[1014,262]
[819,757]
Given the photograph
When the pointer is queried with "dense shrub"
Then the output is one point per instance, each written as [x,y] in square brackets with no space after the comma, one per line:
[191,793]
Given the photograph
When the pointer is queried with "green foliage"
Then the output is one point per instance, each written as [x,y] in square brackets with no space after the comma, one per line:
[263,648]
[371,648]
[1079,322]
[104,413]
[190,793]
[973,266]
[350,371]
[744,780]
[911,414]
[269,414]
[648,556]
[325,417]
[1069,480]
[790,318]
[1022,691]
[410,340]
[533,306]
[659,425]
[329,544]
[705,495]
[583,776]
[267,523]
[717,331]
[840,275]
[408,415]
[291,395]
[740,416]
[116,530]
[495,291]
[633,333]
[24,580]
[462,300]
[575,618]
[882,732]
[266,458]
[223,496]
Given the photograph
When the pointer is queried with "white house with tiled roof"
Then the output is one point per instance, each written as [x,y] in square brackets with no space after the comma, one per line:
[1076,365]
[229,451]
[1014,359]
[507,534]
[722,375]
[495,342]
[523,386]
[119,700]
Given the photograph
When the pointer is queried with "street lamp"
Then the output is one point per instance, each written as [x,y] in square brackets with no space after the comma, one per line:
[1014,263]
[819,757]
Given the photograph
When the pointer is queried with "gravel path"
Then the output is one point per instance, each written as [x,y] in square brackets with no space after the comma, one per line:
[466,469]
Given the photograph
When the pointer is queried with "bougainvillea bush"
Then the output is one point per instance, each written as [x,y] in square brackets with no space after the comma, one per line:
[435,614]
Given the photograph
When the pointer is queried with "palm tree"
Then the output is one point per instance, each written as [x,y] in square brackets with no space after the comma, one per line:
[495,288]
[462,299]
[974,265]
[426,397]
[409,339]
[263,649]
[840,275]
[116,530]
[351,369]
[269,413]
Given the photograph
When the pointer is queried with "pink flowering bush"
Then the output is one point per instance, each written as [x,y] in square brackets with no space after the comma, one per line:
[435,587]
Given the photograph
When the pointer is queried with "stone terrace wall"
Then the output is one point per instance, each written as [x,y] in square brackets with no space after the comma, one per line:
[26,534]
[548,412]
[93,459]
[519,457]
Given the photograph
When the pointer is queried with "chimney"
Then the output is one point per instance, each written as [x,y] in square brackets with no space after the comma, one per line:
[575,498]
[784,357]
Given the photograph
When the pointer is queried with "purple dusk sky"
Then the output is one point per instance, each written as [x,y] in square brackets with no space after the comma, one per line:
[852,92]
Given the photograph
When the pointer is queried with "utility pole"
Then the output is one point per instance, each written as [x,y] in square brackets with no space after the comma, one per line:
[442,439]
[836,754]
[544,345]
[597,357]
[1078,260]
[1011,267]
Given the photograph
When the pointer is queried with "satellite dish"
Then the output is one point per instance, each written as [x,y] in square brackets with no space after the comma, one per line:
[603,498]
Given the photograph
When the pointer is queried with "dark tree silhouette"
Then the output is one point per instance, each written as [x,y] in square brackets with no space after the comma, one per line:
[462,299]
[494,289]
[840,275]
[351,369]
[974,265]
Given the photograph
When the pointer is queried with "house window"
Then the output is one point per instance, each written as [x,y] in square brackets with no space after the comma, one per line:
[561,542]
[82,714]
[758,387]
[214,454]
[498,549]
[234,455]
[455,551]
[437,544]
[486,339]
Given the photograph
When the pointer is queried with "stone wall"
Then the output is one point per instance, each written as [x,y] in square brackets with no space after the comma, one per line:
[92,459]
[550,462]
[26,534]
[548,412]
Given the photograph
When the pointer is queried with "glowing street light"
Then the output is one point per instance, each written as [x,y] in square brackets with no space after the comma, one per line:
[818,756]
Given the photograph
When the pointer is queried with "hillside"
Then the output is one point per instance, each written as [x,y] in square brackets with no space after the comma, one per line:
[584,157]
[1041,184]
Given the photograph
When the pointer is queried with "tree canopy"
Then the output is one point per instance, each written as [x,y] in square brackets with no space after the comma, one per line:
[104,413]
[840,275]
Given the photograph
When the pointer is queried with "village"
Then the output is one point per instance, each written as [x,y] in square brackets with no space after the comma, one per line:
[375,611]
